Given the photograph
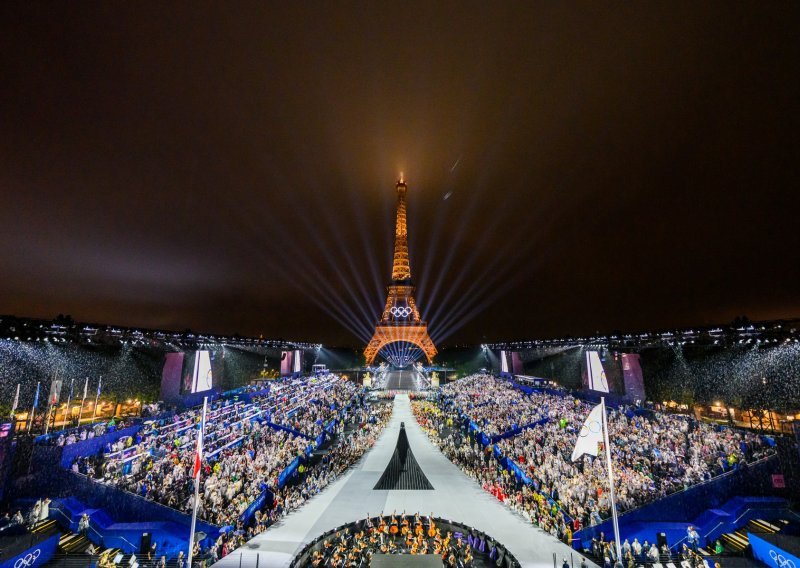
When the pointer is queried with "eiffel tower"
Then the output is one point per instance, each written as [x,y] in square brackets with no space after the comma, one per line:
[400,321]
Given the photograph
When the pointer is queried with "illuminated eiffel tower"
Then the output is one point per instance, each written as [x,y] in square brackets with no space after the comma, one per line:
[400,322]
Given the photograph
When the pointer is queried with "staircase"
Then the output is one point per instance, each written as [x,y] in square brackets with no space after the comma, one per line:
[72,543]
[45,527]
[72,554]
[737,541]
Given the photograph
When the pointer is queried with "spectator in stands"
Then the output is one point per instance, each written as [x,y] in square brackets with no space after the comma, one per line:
[243,454]
[653,454]
[653,554]
[692,538]
[83,524]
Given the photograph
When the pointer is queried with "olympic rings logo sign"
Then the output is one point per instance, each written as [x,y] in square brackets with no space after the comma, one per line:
[403,312]
[780,561]
[594,427]
[28,559]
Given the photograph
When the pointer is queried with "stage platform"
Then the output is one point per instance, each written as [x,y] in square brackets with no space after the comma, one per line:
[454,496]
[401,380]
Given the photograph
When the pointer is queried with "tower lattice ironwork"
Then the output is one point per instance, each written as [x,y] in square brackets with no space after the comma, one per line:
[400,321]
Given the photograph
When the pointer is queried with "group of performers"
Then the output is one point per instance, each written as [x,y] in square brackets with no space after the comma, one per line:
[392,535]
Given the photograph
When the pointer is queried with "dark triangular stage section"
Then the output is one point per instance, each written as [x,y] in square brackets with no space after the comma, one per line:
[403,471]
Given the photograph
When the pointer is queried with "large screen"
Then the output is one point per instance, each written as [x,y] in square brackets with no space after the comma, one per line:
[202,376]
[198,375]
[632,375]
[171,377]
[190,372]
[595,373]
[510,362]
[291,362]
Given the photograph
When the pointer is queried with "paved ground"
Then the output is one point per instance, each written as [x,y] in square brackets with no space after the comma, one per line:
[351,497]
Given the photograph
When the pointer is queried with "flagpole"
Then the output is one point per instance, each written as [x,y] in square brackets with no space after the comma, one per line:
[97,399]
[611,481]
[85,390]
[47,419]
[50,402]
[68,414]
[33,408]
[197,482]
[16,402]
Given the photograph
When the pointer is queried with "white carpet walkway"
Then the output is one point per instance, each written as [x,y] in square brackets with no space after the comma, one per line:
[455,496]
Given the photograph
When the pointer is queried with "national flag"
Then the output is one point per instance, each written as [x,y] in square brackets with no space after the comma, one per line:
[198,455]
[16,401]
[590,435]
[55,391]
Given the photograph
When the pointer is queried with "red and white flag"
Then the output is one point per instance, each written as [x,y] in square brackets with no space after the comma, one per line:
[198,455]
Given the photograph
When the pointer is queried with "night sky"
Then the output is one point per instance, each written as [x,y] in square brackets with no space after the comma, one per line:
[572,167]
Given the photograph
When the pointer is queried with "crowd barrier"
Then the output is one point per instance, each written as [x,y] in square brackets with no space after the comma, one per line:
[264,499]
[287,473]
[290,430]
[94,446]
[242,395]
[116,503]
[35,556]
[64,431]
[684,506]
[518,430]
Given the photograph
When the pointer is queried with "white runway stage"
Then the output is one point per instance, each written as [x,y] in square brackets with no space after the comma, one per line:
[455,496]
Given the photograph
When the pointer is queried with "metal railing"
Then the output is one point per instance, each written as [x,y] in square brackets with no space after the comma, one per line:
[100,536]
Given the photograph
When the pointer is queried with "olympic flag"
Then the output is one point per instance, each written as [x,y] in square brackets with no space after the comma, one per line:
[594,431]
[590,434]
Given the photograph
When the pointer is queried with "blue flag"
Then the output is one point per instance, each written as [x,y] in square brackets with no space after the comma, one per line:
[36,400]
[99,385]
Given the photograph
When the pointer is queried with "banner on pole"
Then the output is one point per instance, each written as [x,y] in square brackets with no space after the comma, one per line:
[55,391]
[590,436]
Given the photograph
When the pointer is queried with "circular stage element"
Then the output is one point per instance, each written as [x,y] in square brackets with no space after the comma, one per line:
[404,540]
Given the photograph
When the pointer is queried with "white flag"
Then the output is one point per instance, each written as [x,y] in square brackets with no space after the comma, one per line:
[590,435]
[16,401]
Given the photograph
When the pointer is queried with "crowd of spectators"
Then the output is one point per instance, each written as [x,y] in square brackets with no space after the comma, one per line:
[653,454]
[495,406]
[309,419]
[353,436]
[645,553]
[443,426]
[243,454]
